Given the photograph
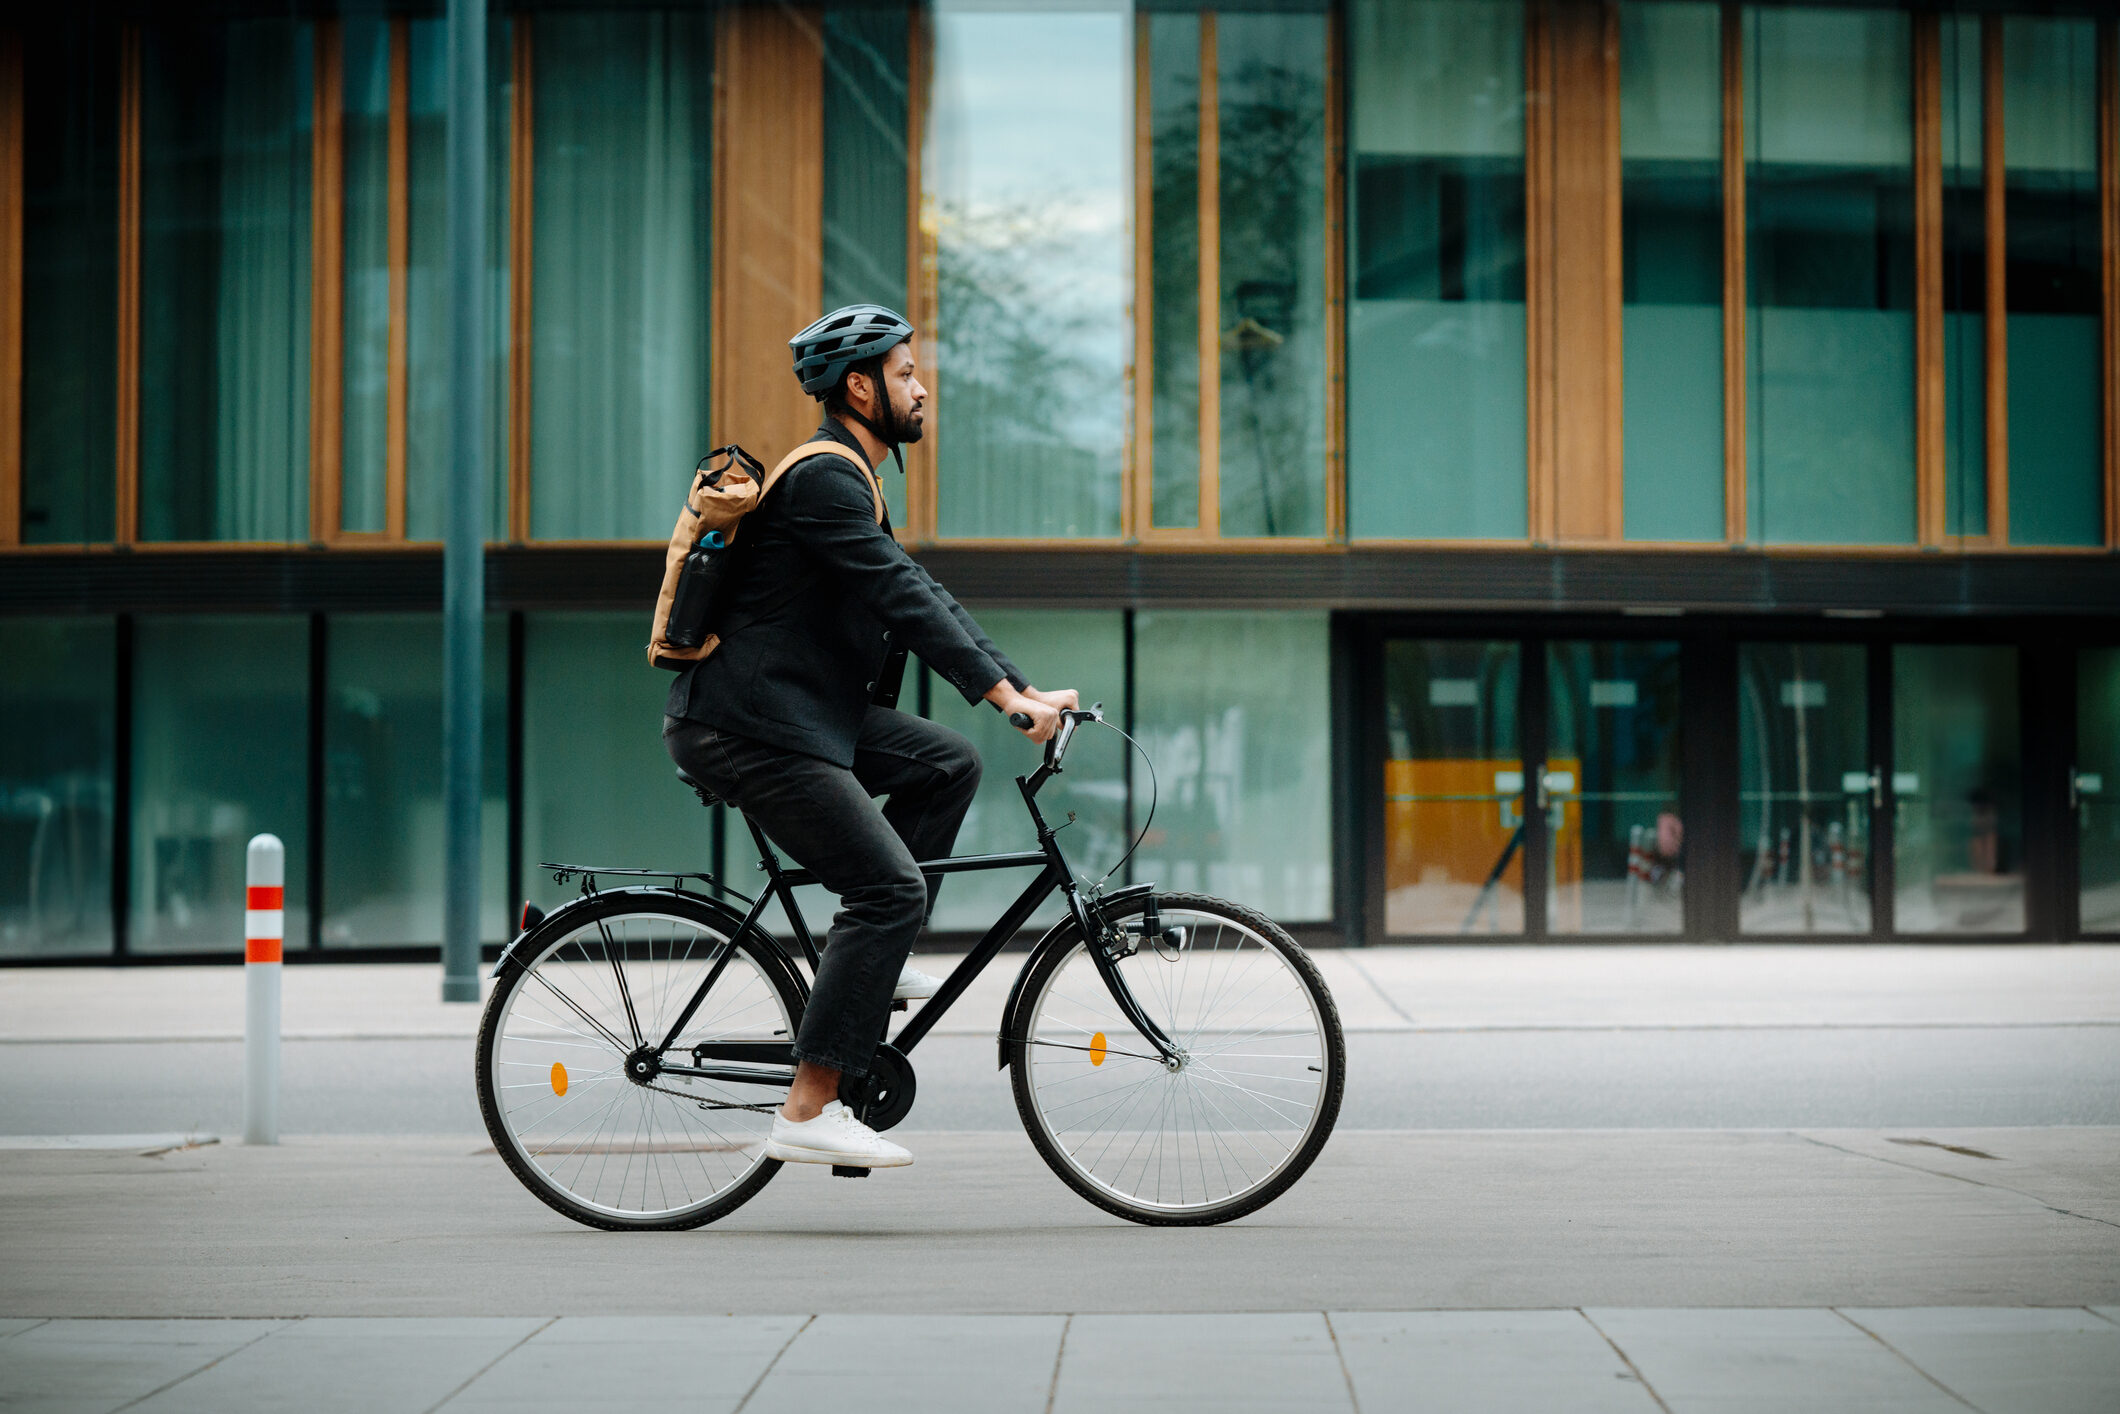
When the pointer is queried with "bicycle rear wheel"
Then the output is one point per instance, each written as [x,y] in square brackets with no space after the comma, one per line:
[565,1111]
[1245,1111]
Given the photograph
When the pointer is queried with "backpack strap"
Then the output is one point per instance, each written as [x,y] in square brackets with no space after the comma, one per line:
[832,449]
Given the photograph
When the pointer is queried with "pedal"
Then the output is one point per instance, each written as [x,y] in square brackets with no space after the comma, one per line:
[897,1004]
[842,1171]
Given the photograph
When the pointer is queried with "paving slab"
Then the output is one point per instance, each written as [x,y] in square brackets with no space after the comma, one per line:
[1286,1363]
[1737,1361]
[357,1364]
[624,1363]
[66,1366]
[2057,1361]
[1498,1362]
[1423,1220]
[2006,1160]
[939,1364]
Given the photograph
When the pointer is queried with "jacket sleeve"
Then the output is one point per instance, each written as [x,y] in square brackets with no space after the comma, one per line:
[832,517]
[970,625]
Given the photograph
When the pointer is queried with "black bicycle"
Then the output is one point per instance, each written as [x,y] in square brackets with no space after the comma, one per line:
[1176,1059]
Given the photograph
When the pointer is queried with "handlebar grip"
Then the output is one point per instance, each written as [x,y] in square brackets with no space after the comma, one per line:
[1021,721]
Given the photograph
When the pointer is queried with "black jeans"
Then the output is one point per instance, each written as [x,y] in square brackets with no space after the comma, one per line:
[821,814]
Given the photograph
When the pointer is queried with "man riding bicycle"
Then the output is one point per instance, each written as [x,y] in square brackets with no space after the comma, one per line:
[791,719]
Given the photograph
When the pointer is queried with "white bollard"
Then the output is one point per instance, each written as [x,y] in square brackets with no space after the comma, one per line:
[263,926]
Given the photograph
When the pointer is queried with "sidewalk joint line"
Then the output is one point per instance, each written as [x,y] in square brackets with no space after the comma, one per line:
[1959,1178]
[1347,956]
[481,1371]
[2101,1316]
[1052,1392]
[774,1363]
[1625,1359]
[1354,1401]
[1906,1359]
[193,1374]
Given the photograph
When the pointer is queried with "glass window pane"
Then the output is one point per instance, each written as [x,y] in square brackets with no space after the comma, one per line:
[1242,757]
[1174,150]
[365,125]
[1270,94]
[597,786]
[1830,206]
[2097,788]
[69,280]
[1435,337]
[2050,142]
[426,280]
[384,835]
[58,726]
[624,206]
[1965,509]
[224,281]
[1027,196]
[1616,856]
[1672,269]
[220,752]
[1804,787]
[1082,649]
[865,105]
[1453,788]
[1957,788]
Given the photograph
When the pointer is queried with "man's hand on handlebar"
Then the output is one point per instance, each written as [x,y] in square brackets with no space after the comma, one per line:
[1042,716]
[1064,699]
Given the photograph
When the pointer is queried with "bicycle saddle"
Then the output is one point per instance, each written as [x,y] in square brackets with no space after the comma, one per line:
[706,796]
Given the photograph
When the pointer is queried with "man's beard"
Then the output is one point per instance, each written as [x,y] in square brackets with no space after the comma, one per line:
[903,429]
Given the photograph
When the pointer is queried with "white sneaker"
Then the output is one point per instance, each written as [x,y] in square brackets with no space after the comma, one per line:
[833,1137]
[915,985]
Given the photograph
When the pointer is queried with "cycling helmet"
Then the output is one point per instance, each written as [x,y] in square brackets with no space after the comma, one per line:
[827,349]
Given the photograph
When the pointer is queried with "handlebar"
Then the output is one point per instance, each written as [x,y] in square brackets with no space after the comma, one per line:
[1070,718]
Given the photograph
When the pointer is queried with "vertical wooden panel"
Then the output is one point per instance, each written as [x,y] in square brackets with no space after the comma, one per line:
[522,210]
[1335,278]
[327,284]
[1996,324]
[920,278]
[12,193]
[1584,290]
[2109,229]
[1539,406]
[1140,469]
[1210,244]
[1733,161]
[768,219]
[127,527]
[397,375]
[1929,500]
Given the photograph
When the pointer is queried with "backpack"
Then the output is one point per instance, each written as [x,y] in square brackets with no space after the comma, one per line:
[697,570]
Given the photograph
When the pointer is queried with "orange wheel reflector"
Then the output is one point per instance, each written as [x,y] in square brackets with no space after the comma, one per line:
[1096,1049]
[559,1078]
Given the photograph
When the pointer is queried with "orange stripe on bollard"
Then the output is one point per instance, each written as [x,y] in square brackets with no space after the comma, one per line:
[264,896]
[261,950]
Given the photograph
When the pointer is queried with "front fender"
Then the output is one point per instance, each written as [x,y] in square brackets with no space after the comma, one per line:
[1061,934]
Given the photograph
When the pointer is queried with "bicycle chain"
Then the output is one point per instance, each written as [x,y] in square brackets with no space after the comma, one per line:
[705,1104]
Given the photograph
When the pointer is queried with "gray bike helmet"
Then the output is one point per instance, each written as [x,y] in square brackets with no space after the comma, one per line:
[843,338]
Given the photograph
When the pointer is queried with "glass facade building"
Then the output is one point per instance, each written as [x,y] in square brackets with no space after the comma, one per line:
[1520,468]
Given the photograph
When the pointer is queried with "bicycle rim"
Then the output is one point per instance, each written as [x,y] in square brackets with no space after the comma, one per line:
[1250,1103]
[603,1149]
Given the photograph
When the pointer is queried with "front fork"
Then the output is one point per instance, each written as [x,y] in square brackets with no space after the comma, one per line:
[1100,938]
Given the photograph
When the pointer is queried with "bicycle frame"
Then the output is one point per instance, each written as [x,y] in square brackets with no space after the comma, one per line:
[781,883]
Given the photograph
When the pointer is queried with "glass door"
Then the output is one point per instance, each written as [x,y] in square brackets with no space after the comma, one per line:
[1807,784]
[1453,788]
[1957,790]
[1609,790]
[2094,790]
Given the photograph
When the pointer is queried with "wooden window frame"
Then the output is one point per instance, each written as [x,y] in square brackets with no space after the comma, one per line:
[1138,529]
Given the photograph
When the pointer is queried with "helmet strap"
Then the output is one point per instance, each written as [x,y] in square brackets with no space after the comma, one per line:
[887,434]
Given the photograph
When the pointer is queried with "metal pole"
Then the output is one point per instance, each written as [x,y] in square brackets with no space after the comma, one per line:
[264,929]
[463,562]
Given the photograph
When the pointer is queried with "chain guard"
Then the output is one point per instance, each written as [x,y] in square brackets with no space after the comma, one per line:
[885,1095]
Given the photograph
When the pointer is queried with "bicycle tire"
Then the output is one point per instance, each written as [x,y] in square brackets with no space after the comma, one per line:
[1186,1016]
[664,942]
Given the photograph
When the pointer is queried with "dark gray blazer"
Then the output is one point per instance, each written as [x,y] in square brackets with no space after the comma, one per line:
[822,596]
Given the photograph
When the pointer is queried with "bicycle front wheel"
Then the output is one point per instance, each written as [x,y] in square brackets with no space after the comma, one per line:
[1239,1117]
[573,1111]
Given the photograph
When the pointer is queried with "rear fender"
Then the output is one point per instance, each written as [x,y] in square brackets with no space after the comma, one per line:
[1060,935]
